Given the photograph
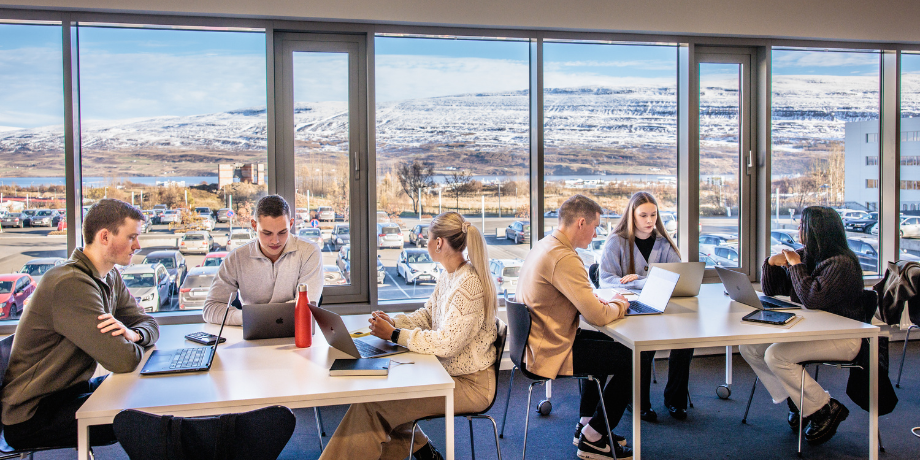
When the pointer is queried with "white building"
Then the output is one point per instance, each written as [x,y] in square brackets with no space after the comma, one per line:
[862,164]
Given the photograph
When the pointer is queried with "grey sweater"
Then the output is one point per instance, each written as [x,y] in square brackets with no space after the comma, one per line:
[615,261]
[260,281]
[834,286]
[57,344]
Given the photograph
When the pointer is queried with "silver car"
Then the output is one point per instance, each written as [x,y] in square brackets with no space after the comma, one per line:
[43,217]
[149,284]
[416,265]
[313,235]
[237,238]
[170,216]
[325,214]
[505,272]
[194,289]
[37,268]
[12,219]
[198,242]
[389,236]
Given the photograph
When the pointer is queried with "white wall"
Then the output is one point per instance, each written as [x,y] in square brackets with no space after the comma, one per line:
[876,20]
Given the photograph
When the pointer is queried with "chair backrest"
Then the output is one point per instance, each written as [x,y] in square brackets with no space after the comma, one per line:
[6,348]
[594,273]
[869,302]
[256,435]
[501,330]
[519,322]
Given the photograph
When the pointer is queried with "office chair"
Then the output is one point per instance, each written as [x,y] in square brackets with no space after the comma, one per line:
[255,435]
[499,349]
[519,323]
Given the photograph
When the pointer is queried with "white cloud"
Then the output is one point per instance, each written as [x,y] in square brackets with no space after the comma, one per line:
[402,77]
[644,65]
[786,59]
[31,82]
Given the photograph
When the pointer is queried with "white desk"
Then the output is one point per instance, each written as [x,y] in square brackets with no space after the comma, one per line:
[712,319]
[249,375]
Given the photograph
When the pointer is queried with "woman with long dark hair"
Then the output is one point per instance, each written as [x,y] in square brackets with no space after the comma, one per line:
[639,240]
[823,275]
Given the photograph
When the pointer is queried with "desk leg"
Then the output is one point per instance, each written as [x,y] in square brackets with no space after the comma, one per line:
[728,365]
[82,440]
[873,398]
[449,424]
[637,405]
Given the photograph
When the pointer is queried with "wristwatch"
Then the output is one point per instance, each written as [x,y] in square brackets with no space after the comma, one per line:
[394,337]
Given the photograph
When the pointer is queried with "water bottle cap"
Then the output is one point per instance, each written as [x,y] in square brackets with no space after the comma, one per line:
[302,288]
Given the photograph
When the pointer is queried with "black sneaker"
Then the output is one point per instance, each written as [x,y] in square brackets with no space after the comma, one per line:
[578,427]
[600,450]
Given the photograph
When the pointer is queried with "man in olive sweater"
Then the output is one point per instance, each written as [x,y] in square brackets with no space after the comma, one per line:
[81,315]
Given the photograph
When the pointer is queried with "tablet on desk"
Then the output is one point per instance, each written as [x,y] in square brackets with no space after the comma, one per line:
[769,317]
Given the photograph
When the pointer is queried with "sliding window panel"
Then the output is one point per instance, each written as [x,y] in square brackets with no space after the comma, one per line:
[910,158]
[611,130]
[174,122]
[452,135]
[32,192]
[825,143]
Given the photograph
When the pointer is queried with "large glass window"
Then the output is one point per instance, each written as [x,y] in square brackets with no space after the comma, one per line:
[610,130]
[825,144]
[174,122]
[452,135]
[910,158]
[31,161]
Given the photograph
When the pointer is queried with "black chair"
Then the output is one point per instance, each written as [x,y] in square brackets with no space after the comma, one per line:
[7,451]
[499,350]
[869,301]
[255,435]
[519,323]
[904,354]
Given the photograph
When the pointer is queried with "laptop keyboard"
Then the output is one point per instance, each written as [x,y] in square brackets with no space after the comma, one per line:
[638,307]
[776,303]
[366,349]
[189,358]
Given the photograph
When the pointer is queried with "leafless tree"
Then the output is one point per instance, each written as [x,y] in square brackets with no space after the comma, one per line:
[413,177]
[459,183]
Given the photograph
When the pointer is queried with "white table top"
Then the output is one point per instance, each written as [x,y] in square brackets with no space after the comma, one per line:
[713,319]
[251,374]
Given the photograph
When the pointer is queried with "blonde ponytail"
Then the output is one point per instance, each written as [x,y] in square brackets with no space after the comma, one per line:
[460,235]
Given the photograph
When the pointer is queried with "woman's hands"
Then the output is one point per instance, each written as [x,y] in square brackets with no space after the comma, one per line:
[778,260]
[381,325]
[792,257]
[629,278]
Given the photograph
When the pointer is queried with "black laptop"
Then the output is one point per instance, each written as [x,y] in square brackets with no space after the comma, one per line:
[194,359]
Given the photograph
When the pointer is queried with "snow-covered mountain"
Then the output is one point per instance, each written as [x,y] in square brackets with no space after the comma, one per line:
[805,108]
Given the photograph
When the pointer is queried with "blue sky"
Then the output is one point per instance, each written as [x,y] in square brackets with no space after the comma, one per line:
[134,73]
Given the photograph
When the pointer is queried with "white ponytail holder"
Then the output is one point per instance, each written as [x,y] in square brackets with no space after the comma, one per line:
[465,227]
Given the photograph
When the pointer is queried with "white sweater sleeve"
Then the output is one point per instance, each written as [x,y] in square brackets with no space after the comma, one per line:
[459,322]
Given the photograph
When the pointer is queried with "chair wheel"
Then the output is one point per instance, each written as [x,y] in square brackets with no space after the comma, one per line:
[723,391]
[545,407]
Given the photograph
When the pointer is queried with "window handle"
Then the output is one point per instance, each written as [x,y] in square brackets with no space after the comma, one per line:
[357,166]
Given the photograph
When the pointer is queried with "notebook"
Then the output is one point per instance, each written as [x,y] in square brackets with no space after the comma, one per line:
[338,337]
[691,277]
[739,288]
[655,294]
[360,366]
[194,359]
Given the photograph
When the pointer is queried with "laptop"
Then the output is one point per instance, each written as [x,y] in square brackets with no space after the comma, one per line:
[739,288]
[655,294]
[691,277]
[337,335]
[195,359]
[268,321]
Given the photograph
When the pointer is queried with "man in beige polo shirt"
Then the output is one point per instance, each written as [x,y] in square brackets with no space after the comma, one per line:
[554,284]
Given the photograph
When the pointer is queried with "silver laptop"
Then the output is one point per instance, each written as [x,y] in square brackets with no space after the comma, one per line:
[691,277]
[739,288]
[655,294]
[268,321]
[194,359]
[337,335]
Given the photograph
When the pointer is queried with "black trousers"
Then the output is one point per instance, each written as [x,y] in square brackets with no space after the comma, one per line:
[597,354]
[55,421]
[675,392]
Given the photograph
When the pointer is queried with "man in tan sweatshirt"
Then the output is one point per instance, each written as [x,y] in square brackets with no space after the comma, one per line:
[554,284]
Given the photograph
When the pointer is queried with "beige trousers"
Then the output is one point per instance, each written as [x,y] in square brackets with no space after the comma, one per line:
[383,429]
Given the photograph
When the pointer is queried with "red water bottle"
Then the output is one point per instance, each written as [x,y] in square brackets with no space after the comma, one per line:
[303,319]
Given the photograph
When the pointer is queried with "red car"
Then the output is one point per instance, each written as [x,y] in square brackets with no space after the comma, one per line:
[15,290]
[214,259]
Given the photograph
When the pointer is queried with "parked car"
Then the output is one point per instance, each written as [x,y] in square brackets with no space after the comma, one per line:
[150,285]
[382,218]
[26,215]
[303,214]
[213,259]
[381,271]
[332,276]
[206,222]
[15,290]
[861,225]
[194,289]
[725,255]
[708,260]
[42,218]
[325,214]
[867,253]
[204,211]
[238,237]
[199,242]
[552,213]
[36,268]
[170,216]
[777,247]
[847,214]
[174,262]
[518,231]
[788,237]
[709,241]
[12,219]
[419,236]
[343,261]
[669,219]
[910,227]
[313,235]
[389,236]
[592,254]
[339,237]
[505,273]
[223,215]
[415,265]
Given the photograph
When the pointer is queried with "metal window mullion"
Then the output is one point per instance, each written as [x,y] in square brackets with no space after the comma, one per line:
[536,138]
[889,155]
[764,152]
[369,160]
[688,151]
[72,144]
